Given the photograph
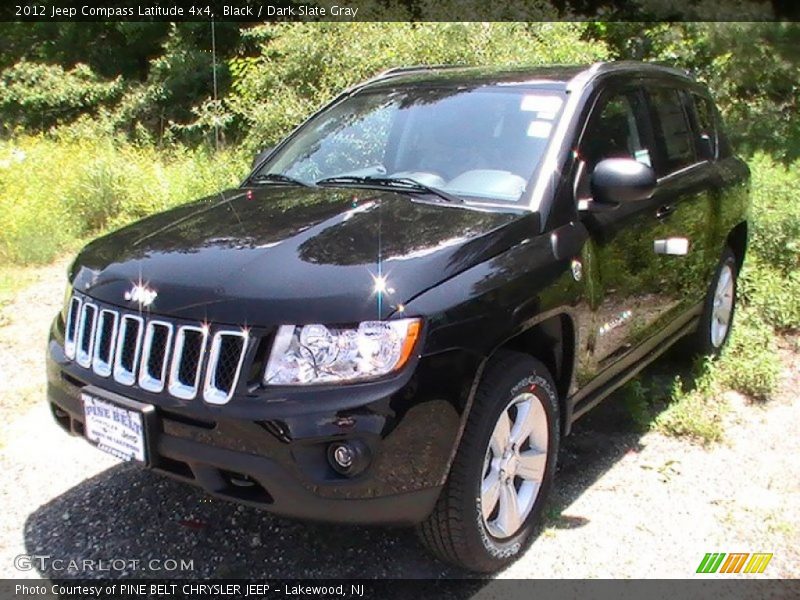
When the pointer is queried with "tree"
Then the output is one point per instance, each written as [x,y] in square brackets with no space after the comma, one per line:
[753,69]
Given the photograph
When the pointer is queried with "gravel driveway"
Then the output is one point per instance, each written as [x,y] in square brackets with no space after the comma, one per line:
[626,504]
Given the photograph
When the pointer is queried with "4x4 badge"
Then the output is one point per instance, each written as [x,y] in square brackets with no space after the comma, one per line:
[577,269]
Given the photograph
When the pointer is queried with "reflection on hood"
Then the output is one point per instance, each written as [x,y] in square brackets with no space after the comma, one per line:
[270,251]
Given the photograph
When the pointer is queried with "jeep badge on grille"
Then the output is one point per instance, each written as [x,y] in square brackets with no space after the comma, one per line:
[141,294]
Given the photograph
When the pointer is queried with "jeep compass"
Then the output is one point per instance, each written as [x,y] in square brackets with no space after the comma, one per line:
[408,302]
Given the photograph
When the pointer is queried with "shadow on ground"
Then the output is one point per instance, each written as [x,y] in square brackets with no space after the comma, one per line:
[133,514]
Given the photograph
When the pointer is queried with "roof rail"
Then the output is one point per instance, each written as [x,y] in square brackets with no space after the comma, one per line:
[662,66]
[394,71]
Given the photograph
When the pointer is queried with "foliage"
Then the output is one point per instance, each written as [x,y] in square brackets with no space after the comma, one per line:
[68,43]
[158,80]
[753,70]
[37,95]
[179,85]
[301,66]
[694,412]
[770,281]
[55,191]
[774,295]
[162,73]
[775,239]
[750,364]
[635,396]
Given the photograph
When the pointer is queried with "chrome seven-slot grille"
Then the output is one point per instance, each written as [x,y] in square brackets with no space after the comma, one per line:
[154,354]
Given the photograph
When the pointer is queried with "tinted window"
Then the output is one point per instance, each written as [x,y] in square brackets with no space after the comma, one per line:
[615,132]
[706,126]
[672,130]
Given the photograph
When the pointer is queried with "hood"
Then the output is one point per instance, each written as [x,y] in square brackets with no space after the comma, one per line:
[278,254]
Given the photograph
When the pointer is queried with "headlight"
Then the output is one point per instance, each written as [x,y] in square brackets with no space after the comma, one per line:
[309,354]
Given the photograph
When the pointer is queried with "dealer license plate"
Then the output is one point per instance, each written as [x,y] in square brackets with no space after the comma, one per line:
[114,429]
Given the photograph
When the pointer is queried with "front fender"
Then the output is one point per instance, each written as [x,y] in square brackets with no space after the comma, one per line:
[475,313]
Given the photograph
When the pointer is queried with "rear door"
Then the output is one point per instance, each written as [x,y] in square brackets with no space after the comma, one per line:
[687,198]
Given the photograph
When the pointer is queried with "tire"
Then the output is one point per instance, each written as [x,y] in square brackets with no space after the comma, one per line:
[457,531]
[710,338]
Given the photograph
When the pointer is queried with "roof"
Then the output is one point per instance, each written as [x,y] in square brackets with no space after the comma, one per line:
[559,76]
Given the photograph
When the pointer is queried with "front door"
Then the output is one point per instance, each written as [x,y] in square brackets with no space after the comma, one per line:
[624,280]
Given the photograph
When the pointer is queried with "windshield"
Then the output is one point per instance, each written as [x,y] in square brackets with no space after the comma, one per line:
[482,144]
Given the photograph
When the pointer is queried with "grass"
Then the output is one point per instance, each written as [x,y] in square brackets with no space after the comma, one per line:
[693,403]
[56,190]
[696,414]
[13,278]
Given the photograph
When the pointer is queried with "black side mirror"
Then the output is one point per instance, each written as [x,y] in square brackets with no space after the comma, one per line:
[261,156]
[618,180]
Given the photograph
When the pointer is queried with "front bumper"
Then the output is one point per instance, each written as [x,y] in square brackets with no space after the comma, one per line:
[277,459]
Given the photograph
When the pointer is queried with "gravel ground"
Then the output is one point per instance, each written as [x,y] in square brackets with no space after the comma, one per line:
[626,504]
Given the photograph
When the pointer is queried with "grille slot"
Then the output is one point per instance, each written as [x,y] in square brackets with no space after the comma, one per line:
[224,365]
[85,339]
[153,370]
[129,345]
[184,376]
[71,330]
[105,342]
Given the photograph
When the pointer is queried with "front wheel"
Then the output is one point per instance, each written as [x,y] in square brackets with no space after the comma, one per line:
[503,470]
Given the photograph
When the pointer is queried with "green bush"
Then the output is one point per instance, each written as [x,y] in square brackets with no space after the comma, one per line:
[770,282]
[54,191]
[38,96]
[772,294]
[695,412]
[750,364]
[775,237]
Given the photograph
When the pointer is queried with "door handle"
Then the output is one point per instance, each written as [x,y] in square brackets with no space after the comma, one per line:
[676,246]
[665,211]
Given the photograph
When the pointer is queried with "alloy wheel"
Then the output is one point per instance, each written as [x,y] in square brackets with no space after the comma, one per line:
[723,306]
[514,465]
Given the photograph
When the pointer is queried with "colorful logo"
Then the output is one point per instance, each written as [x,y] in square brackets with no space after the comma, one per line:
[736,562]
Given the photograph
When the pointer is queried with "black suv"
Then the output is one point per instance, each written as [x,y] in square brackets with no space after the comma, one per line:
[409,301]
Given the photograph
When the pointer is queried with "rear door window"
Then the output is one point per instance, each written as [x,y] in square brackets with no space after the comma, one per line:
[706,125]
[672,130]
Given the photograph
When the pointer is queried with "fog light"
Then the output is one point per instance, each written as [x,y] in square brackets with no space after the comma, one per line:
[343,455]
[349,457]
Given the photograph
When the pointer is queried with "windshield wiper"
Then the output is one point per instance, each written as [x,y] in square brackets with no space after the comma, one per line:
[278,178]
[400,183]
